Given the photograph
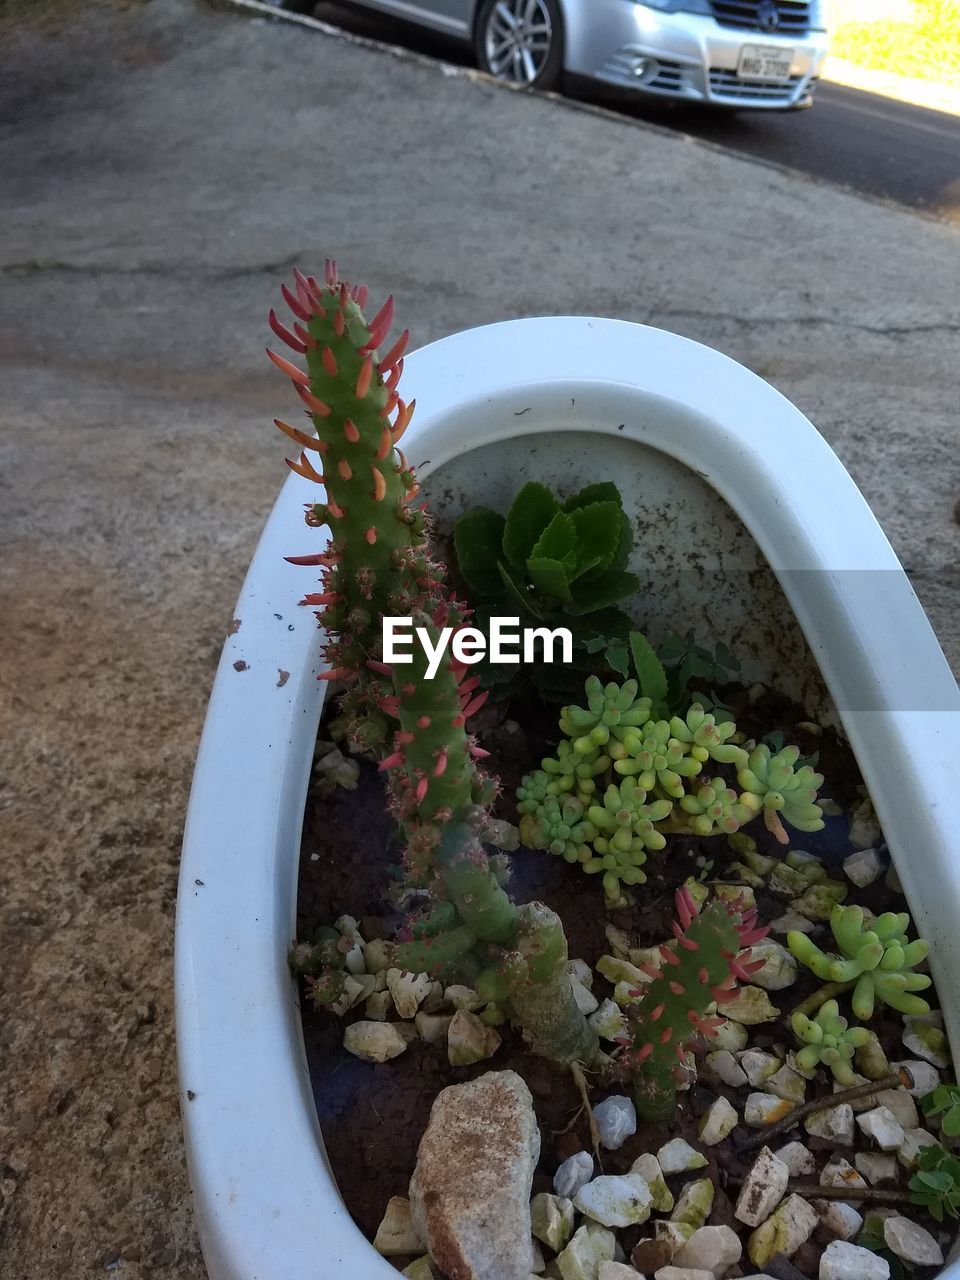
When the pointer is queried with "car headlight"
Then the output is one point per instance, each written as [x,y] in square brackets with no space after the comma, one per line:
[677,6]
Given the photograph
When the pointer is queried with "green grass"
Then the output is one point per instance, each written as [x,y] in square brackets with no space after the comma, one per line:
[927,48]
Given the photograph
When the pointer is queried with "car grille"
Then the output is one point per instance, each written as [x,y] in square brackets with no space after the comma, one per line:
[774,17]
[728,84]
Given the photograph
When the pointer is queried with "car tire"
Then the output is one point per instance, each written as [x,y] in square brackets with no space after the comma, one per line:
[521,41]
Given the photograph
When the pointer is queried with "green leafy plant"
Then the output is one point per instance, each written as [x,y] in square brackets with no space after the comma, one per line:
[876,957]
[630,774]
[827,1039]
[694,672]
[712,952]
[936,1184]
[379,560]
[944,1101]
[551,562]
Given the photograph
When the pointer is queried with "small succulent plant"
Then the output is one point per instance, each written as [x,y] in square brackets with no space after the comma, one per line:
[774,786]
[828,1039]
[637,774]
[936,1184]
[944,1101]
[877,957]
[710,954]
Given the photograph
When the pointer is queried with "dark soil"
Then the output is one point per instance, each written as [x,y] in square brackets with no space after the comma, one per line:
[373,1116]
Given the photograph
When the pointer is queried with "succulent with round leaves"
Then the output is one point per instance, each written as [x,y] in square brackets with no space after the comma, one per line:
[828,1039]
[706,740]
[611,710]
[772,785]
[714,807]
[878,957]
[571,770]
[624,830]
[655,758]
[558,825]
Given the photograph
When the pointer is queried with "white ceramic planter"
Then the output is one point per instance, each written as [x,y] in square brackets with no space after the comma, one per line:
[723,469]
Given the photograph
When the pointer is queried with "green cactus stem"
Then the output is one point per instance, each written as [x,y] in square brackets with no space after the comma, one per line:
[712,952]
[828,1039]
[877,957]
[379,562]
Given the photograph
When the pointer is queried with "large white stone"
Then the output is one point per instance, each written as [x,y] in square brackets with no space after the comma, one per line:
[841,1173]
[909,1149]
[779,965]
[763,1188]
[751,1006]
[590,1246]
[763,1109]
[408,990]
[759,1066]
[469,1040]
[374,1041]
[843,1261]
[552,1220]
[694,1203]
[883,1127]
[575,1172]
[677,1156]
[671,1272]
[722,1064]
[711,1249]
[798,1159]
[648,1167]
[927,1041]
[586,1001]
[901,1106]
[863,867]
[622,1200]
[396,1234]
[834,1123]
[876,1166]
[607,1021]
[838,1220]
[911,1242]
[925,1076]
[787,1084]
[616,1120]
[617,1271]
[470,1190]
[719,1120]
[788,1227]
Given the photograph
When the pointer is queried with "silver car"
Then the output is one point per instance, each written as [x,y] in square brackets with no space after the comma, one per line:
[729,53]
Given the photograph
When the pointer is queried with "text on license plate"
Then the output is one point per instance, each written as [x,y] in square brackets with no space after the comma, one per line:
[764,62]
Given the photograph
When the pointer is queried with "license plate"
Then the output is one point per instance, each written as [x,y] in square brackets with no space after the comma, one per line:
[764,62]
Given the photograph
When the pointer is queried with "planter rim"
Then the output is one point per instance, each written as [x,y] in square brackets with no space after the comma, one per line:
[265,1200]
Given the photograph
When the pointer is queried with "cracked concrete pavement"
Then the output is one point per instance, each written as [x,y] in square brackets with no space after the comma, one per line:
[163,168]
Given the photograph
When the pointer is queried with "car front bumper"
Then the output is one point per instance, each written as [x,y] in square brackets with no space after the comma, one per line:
[685,56]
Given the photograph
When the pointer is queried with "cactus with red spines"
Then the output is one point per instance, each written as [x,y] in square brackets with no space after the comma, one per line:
[702,969]
[379,562]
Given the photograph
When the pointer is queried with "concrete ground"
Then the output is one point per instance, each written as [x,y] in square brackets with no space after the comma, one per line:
[163,169]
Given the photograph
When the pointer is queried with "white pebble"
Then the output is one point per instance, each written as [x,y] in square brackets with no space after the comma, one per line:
[616,1120]
[911,1242]
[763,1188]
[575,1172]
[843,1261]
[883,1127]
[677,1156]
[798,1159]
[835,1124]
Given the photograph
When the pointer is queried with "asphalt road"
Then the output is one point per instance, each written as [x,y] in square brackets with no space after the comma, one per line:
[873,145]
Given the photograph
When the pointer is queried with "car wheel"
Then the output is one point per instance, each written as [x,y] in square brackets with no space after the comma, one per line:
[521,41]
